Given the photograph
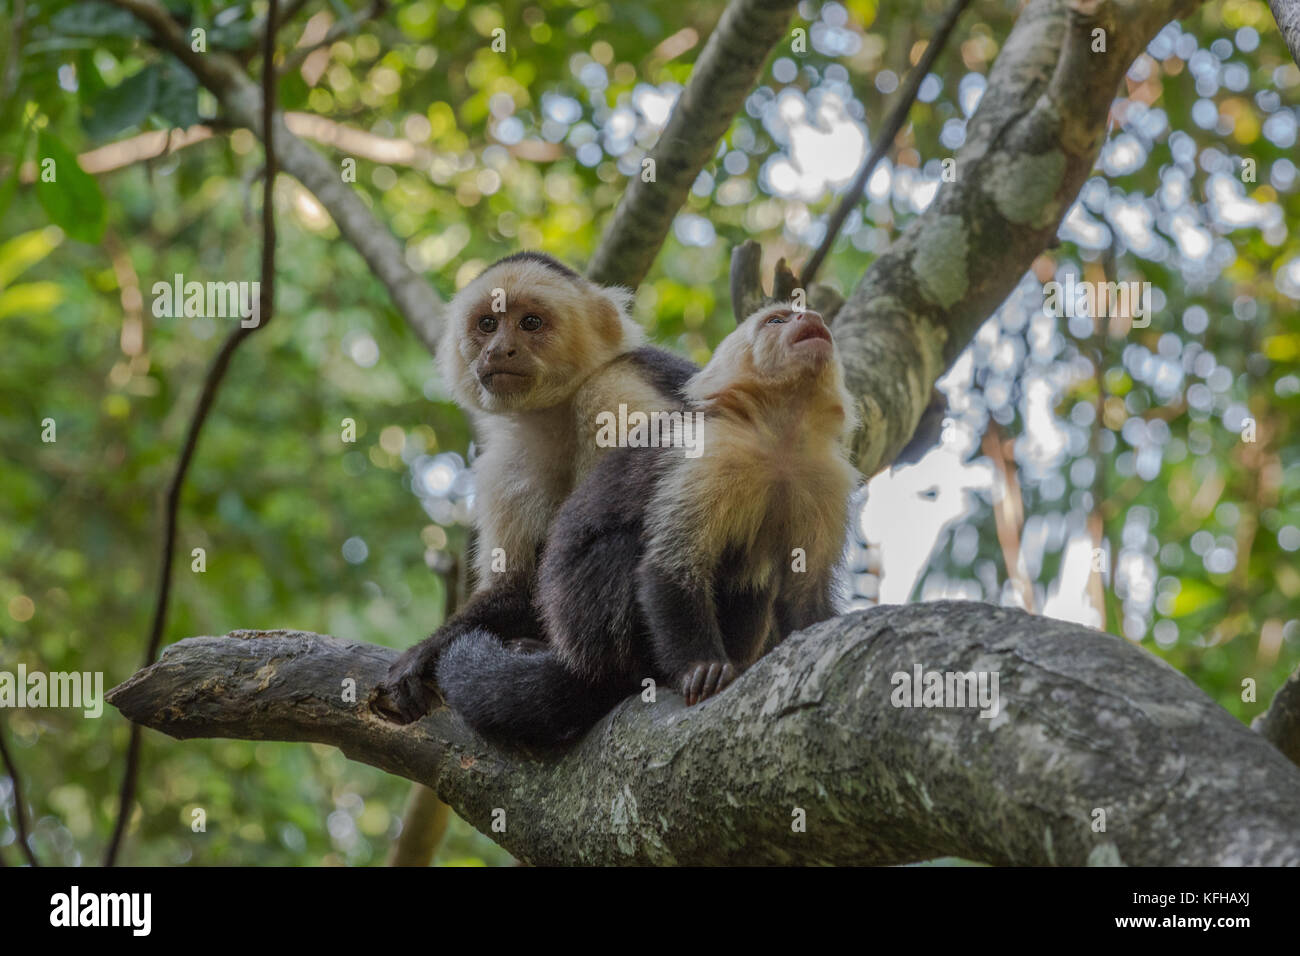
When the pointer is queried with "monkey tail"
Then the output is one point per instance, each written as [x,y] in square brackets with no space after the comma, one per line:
[523,696]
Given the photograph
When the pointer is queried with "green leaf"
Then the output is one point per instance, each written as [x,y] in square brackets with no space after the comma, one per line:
[29,298]
[97,20]
[124,105]
[73,200]
[22,252]
[178,95]
[1194,596]
[293,91]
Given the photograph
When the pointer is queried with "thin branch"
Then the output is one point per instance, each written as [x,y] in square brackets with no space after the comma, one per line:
[1280,724]
[241,100]
[1008,512]
[1287,15]
[746,279]
[258,31]
[212,382]
[725,73]
[20,808]
[893,124]
[337,31]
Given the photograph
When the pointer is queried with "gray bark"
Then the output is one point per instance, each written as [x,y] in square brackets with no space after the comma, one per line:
[1029,148]
[1088,722]
[1287,15]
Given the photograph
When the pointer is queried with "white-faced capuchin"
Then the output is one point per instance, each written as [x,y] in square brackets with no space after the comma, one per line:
[678,568]
[519,342]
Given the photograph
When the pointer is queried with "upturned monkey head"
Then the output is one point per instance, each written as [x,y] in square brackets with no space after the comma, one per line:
[525,333]
[779,349]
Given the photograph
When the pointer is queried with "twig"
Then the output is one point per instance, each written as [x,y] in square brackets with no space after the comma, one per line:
[337,31]
[746,279]
[1280,724]
[258,30]
[893,123]
[20,812]
[1008,512]
[211,383]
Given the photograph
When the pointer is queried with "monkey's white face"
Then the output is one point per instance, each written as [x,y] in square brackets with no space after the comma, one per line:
[777,349]
[523,337]
[789,343]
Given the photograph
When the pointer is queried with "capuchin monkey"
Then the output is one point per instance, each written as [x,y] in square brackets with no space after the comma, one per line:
[519,342]
[678,568]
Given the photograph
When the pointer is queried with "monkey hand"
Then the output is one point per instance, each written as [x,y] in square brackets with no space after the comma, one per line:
[703,679]
[408,692]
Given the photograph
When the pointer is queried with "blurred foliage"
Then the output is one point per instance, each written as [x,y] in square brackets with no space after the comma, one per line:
[488,152]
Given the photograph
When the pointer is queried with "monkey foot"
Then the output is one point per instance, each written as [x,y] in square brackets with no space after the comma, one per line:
[405,694]
[706,678]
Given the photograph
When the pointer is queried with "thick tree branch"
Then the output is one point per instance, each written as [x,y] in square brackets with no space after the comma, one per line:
[241,100]
[725,73]
[1029,148]
[1086,722]
[1287,15]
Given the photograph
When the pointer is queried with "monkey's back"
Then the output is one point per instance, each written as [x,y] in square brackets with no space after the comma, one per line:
[587,582]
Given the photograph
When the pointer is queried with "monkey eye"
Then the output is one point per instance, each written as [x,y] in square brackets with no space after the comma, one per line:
[779,318]
[487,324]
[530,322]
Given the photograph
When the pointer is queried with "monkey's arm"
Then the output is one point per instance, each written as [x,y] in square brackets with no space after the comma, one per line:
[505,610]
[684,632]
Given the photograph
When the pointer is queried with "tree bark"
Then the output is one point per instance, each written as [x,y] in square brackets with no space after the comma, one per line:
[1287,15]
[1087,722]
[1029,148]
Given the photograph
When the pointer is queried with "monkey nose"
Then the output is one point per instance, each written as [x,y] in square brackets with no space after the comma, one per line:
[814,317]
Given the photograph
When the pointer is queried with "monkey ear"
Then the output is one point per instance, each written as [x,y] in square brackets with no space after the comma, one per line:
[610,318]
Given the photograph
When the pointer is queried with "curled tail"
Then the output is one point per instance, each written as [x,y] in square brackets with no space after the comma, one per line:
[520,695]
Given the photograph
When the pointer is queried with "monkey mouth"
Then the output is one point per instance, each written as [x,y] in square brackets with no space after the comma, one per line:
[503,382]
[809,332]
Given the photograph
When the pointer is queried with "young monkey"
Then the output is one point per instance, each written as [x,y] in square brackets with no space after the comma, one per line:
[677,568]
[519,342]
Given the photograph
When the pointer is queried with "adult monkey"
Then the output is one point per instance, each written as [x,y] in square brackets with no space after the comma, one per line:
[678,567]
[520,341]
